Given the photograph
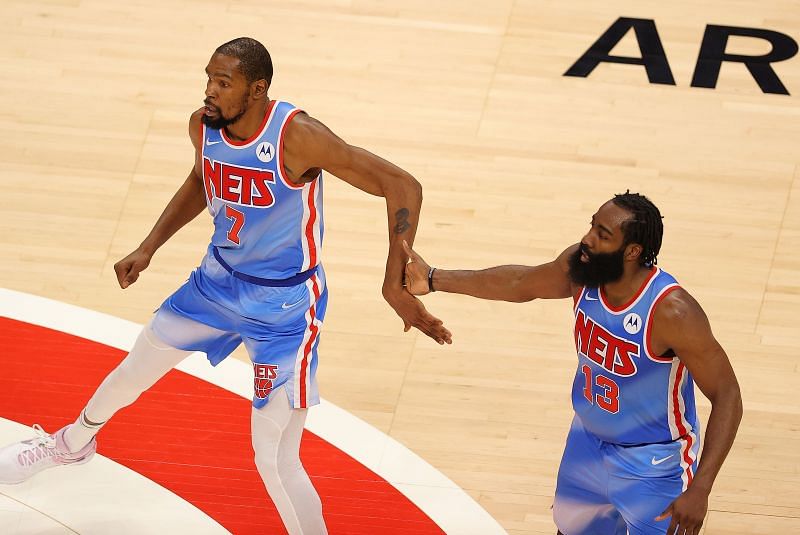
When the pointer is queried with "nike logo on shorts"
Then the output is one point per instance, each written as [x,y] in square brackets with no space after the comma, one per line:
[655,461]
[285,306]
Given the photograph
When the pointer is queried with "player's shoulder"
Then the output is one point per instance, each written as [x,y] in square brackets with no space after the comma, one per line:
[195,119]
[301,123]
[197,115]
[567,253]
[678,307]
[305,131]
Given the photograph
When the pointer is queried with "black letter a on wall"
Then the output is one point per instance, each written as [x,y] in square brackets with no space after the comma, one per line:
[653,57]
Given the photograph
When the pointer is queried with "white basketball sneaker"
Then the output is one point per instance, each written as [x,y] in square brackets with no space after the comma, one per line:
[24,459]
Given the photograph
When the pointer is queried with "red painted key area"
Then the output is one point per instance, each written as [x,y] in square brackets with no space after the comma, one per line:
[190,437]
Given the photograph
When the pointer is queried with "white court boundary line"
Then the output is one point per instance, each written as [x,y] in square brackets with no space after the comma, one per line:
[435,494]
[101,497]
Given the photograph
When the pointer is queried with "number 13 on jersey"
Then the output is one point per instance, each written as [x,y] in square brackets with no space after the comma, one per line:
[608,399]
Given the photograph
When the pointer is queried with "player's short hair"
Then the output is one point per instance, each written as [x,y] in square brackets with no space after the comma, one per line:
[254,60]
[644,226]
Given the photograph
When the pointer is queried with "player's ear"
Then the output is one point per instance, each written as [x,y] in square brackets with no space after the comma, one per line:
[633,251]
[258,89]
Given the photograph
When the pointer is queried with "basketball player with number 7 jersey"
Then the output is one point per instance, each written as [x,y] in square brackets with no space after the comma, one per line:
[630,464]
[258,170]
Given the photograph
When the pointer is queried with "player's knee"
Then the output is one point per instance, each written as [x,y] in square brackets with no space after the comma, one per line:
[288,468]
[586,518]
[129,376]
[557,519]
[267,463]
[570,517]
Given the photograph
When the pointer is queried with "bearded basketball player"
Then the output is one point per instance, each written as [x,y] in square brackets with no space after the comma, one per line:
[630,464]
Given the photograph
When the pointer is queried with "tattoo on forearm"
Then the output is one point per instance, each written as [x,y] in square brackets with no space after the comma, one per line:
[402,224]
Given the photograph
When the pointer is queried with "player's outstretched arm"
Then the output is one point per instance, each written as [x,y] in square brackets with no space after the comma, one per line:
[681,325]
[184,206]
[501,283]
[309,145]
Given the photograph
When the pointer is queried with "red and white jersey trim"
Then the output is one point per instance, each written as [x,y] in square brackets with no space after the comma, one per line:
[648,324]
[654,271]
[281,163]
[310,226]
[679,426]
[232,143]
[688,458]
[305,353]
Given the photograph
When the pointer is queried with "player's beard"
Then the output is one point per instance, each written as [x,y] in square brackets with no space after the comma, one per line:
[602,268]
[221,122]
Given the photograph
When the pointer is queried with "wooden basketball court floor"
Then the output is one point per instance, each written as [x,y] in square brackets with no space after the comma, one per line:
[513,157]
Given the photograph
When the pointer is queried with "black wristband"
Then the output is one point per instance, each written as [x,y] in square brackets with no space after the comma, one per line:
[430,280]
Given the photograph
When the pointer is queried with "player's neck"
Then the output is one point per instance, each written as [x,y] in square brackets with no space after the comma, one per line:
[249,124]
[619,292]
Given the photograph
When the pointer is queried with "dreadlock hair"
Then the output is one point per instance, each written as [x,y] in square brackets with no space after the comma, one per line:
[644,227]
[254,60]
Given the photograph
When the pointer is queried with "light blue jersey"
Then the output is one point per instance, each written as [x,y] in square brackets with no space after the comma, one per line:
[264,225]
[261,282]
[632,447]
[623,393]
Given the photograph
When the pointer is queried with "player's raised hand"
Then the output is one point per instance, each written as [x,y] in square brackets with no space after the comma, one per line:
[416,272]
[128,268]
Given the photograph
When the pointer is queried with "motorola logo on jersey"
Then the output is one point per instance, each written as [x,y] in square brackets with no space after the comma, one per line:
[264,374]
[240,185]
[632,323]
[598,345]
[265,151]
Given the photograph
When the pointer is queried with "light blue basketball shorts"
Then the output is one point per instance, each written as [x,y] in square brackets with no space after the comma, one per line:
[280,327]
[610,489]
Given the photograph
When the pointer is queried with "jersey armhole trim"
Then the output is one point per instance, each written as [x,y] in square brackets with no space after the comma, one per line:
[649,324]
[280,167]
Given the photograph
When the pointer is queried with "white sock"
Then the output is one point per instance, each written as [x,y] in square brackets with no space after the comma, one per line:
[277,430]
[81,432]
[149,360]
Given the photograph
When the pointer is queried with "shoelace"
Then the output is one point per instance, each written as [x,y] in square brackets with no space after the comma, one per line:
[42,446]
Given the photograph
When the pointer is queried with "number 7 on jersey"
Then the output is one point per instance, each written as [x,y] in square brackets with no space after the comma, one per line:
[237,219]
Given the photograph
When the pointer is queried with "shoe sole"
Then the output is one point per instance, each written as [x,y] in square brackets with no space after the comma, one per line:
[71,463]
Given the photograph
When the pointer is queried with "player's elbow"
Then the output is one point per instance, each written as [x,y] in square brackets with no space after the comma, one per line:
[404,188]
[729,399]
[400,185]
[412,185]
[518,292]
[738,404]
[520,295]
[520,299]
